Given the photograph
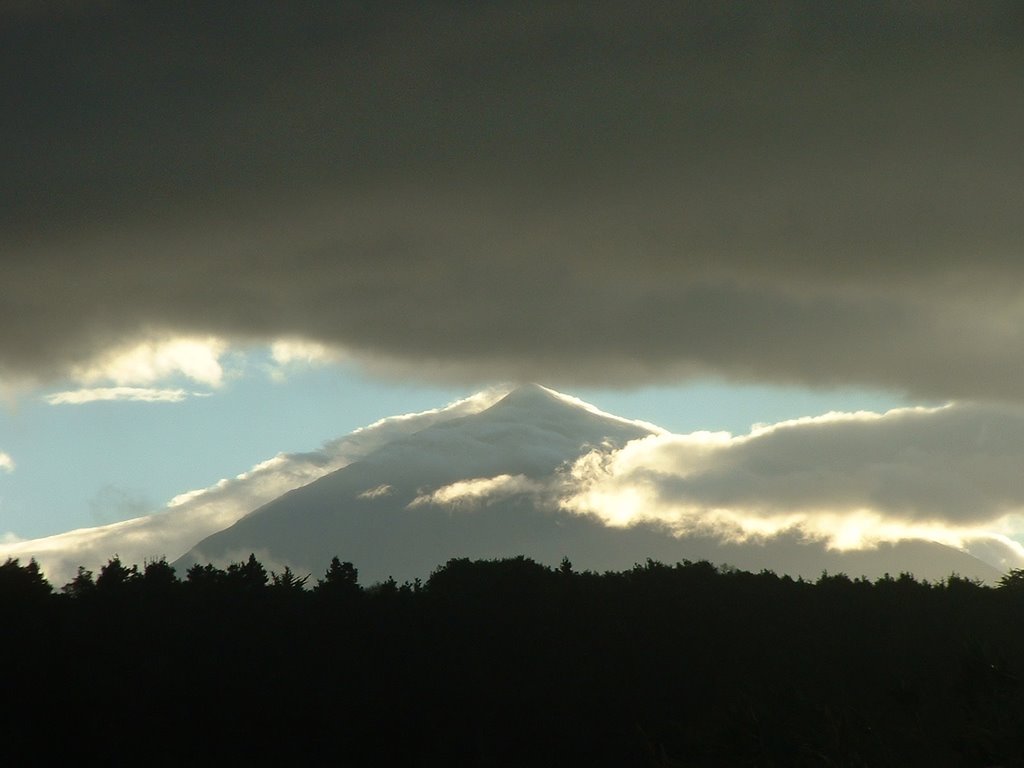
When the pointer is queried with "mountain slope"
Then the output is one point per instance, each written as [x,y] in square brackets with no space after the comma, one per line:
[486,485]
[192,516]
[377,510]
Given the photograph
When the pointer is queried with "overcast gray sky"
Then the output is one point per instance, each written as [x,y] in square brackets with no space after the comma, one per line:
[611,193]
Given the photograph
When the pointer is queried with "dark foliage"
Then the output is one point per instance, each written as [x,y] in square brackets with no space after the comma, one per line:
[22,584]
[509,662]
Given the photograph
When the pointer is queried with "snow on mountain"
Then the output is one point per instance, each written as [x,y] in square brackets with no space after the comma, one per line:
[490,484]
[476,485]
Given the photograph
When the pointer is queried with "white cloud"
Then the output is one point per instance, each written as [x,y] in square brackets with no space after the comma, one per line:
[948,474]
[480,490]
[285,351]
[377,492]
[288,354]
[147,362]
[6,462]
[136,394]
[187,519]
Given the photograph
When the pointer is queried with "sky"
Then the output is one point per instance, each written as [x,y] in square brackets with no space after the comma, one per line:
[232,231]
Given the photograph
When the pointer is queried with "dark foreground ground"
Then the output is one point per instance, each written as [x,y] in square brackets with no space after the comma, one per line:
[505,663]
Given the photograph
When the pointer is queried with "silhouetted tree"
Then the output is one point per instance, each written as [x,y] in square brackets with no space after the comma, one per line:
[287,581]
[478,579]
[82,585]
[684,664]
[386,588]
[115,577]
[250,575]
[159,575]
[341,579]
[22,582]
[1013,579]
[205,578]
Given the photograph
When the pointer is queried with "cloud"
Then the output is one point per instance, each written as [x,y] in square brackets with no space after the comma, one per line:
[480,490]
[132,367]
[147,362]
[287,354]
[191,516]
[377,492]
[136,394]
[594,196]
[285,351]
[6,462]
[112,503]
[947,474]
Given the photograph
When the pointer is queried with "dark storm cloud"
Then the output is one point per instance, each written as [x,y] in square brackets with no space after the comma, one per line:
[796,192]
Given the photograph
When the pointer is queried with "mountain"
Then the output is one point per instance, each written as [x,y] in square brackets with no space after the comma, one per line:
[192,516]
[486,484]
[378,513]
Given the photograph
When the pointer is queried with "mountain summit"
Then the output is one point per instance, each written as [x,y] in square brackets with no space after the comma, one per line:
[487,484]
[476,485]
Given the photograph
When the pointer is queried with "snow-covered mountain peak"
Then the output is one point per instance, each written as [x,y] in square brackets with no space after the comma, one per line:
[531,430]
[531,396]
[537,404]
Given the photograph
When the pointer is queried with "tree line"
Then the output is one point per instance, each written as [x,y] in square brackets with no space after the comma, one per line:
[511,662]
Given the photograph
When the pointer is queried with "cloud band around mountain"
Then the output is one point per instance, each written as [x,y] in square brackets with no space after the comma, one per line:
[852,481]
[948,474]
